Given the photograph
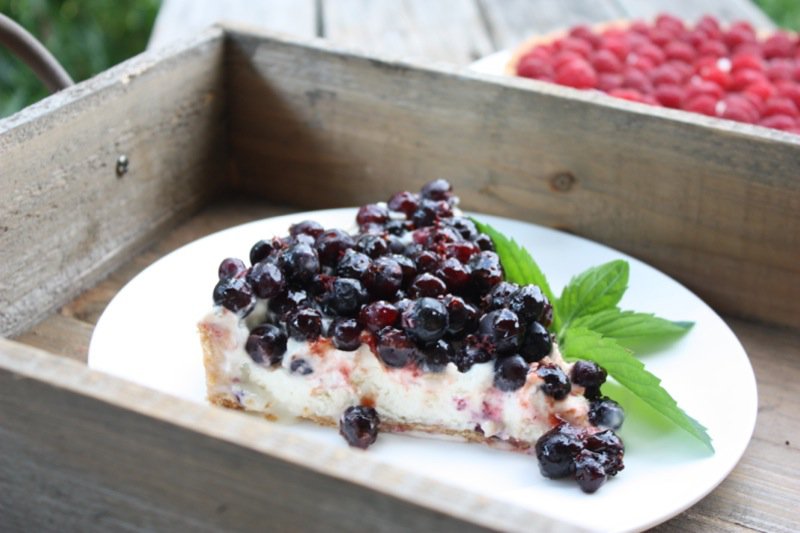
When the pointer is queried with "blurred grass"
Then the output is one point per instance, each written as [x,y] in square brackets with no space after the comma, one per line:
[86,36]
[785,13]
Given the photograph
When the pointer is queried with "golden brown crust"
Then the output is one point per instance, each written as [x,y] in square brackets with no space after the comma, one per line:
[213,340]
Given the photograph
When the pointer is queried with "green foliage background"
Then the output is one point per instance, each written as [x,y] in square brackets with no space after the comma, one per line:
[86,36]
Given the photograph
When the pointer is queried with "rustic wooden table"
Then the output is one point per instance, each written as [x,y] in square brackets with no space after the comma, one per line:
[763,492]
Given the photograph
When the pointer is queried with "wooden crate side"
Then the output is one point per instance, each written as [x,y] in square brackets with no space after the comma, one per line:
[84,451]
[713,203]
[68,217]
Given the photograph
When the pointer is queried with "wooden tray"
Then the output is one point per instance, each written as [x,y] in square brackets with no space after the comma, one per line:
[234,126]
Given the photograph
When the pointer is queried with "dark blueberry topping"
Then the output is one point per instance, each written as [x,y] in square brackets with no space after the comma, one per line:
[426,321]
[305,324]
[300,263]
[231,268]
[405,202]
[372,214]
[291,300]
[331,246]
[359,426]
[528,302]
[555,382]
[436,356]
[464,226]
[397,228]
[430,211]
[427,285]
[383,278]
[473,351]
[260,251]
[462,317]
[407,266]
[234,295]
[454,273]
[372,245]
[510,373]
[486,270]
[396,245]
[537,343]
[353,265]
[300,366]
[266,344]
[346,297]
[306,227]
[302,238]
[500,295]
[588,374]
[502,329]
[437,190]
[395,349]
[610,446]
[378,315]
[606,413]
[556,451]
[462,251]
[345,334]
[547,315]
[484,242]
[589,471]
[426,261]
[266,279]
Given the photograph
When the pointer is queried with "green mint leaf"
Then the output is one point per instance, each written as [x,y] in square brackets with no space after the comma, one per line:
[518,264]
[636,331]
[596,289]
[582,343]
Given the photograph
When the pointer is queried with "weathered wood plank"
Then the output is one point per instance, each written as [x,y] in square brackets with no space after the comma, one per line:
[62,335]
[68,218]
[691,10]
[448,30]
[715,204]
[83,451]
[179,19]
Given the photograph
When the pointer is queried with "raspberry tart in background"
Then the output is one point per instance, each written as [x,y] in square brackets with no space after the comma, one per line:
[731,72]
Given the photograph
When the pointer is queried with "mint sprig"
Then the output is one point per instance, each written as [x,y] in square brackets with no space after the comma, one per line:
[589,325]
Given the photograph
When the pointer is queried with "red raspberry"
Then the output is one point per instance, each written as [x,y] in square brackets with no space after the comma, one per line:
[704,104]
[715,75]
[743,78]
[640,63]
[606,81]
[618,45]
[762,89]
[700,86]
[565,56]
[780,105]
[576,73]
[651,52]
[755,101]
[573,44]
[636,79]
[708,23]
[739,108]
[712,48]
[685,69]
[778,45]
[679,51]
[660,37]
[606,61]
[789,90]
[666,74]
[639,26]
[670,23]
[747,61]
[542,51]
[780,69]
[585,32]
[670,95]
[739,32]
[535,68]
[778,122]
[751,48]
[627,94]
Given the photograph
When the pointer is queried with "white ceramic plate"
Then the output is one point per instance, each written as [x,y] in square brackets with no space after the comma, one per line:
[492,64]
[147,335]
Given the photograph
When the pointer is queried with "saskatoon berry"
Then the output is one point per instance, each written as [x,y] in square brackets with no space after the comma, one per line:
[454,274]
[465,227]
[528,302]
[266,279]
[345,334]
[589,471]
[403,304]
[426,261]
[395,349]
[429,211]
[234,295]
[266,344]
[285,303]
[437,190]
[426,321]
[306,227]
[260,251]
[397,227]
[486,270]
[405,202]
[383,278]
[556,451]
[484,242]
[472,352]
[500,295]
[407,266]
[555,382]
[331,246]
[461,250]
[302,238]
[606,413]
[588,374]
[346,297]
[510,373]
[300,263]
[372,245]
[501,328]
[378,315]
[396,244]
[359,426]
[372,214]
[436,356]
[231,268]
[610,446]
[305,324]
[547,315]
[462,317]
[427,285]
[300,366]
[537,343]
[353,265]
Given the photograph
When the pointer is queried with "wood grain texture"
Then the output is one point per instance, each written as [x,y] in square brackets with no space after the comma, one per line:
[717,205]
[446,30]
[67,218]
[84,451]
[179,19]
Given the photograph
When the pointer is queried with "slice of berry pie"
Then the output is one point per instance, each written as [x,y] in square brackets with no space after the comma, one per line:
[405,325]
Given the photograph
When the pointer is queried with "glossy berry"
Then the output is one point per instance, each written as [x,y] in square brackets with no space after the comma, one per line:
[378,315]
[372,245]
[231,268]
[353,264]
[383,278]
[304,324]
[331,246]
[454,274]
[372,214]
[589,471]
[606,413]
[610,446]
[289,301]
[346,297]
[436,356]
[427,261]
[260,251]
[556,451]
[266,344]
[588,374]
[300,263]
[510,373]
[300,366]
[462,251]
[345,333]
[306,227]
[404,202]
[501,328]
[486,270]
[528,302]
[427,285]
[465,227]
[359,426]
[234,295]
[407,266]
[484,242]
[437,190]
[266,279]
[462,317]
[426,321]
[555,382]
[395,349]
[537,343]
[500,295]
[473,351]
